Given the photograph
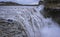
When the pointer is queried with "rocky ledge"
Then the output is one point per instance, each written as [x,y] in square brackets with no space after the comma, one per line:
[52,8]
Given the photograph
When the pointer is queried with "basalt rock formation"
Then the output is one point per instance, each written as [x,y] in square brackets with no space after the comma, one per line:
[52,9]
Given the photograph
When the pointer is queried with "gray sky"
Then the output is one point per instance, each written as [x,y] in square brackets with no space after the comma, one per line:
[24,1]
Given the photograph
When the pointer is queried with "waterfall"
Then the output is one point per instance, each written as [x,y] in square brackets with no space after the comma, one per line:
[30,21]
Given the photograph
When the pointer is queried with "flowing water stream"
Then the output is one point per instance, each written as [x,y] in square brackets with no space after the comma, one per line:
[26,21]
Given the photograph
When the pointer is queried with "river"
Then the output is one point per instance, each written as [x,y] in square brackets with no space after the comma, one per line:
[26,21]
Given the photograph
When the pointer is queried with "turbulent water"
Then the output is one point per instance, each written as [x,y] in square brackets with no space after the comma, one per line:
[26,21]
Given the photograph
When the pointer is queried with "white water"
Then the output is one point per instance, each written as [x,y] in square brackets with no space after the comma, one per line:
[32,20]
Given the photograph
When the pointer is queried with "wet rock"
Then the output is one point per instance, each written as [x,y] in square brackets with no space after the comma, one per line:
[52,9]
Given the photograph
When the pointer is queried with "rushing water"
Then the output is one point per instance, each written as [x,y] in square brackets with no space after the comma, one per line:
[30,20]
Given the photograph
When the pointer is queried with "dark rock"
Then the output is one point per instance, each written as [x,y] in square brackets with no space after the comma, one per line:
[52,9]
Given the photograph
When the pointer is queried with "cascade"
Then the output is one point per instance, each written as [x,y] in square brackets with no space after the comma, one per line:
[26,21]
